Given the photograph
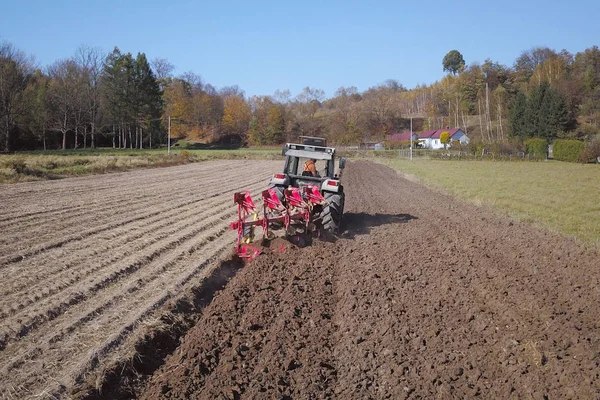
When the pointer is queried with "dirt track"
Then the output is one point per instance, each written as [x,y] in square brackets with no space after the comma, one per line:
[422,297]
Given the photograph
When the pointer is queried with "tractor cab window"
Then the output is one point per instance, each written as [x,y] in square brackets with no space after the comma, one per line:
[295,166]
[292,166]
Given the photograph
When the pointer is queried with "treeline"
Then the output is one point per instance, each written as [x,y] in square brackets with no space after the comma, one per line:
[97,99]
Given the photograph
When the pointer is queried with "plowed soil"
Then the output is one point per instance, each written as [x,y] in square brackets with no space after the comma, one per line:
[93,268]
[422,296]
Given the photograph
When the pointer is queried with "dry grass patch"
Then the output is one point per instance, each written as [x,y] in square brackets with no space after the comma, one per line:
[62,164]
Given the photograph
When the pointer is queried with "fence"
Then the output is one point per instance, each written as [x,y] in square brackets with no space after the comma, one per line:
[354,152]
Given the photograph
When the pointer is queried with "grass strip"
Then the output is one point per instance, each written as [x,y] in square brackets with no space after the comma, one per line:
[561,196]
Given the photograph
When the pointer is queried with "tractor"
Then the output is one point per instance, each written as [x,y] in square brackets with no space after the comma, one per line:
[303,203]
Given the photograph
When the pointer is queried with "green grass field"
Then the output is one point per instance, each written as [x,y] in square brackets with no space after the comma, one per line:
[57,164]
[561,196]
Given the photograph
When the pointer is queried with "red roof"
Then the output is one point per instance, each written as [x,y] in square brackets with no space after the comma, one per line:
[426,134]
[435,134]
[400,136]
[438,133]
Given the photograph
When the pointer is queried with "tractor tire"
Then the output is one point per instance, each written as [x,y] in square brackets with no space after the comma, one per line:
[331,215]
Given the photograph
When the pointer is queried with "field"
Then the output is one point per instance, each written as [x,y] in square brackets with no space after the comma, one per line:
[557,195]
[87,263]
[57,164]
[421,296]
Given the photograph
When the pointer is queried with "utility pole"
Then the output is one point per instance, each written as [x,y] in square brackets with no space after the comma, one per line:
[411,141]
[169,138]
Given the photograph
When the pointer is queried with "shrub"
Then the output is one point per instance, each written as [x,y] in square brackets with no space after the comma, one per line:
[18,165]
[397,144]
[591,152]
[567,150]
[536,147]
[184,156]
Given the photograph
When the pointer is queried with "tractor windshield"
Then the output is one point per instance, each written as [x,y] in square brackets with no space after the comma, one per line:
[295,166]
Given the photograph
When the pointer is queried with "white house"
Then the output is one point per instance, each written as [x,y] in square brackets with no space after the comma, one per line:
[431,139]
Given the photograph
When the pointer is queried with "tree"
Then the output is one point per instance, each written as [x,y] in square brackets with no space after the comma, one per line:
[445,139]
[132,96]
[516,116]
[532,111]
[40,108]
[63,91]
[236,117]
[530,59]
[453,62]
[554,116]
[117,79]
[546,114]
[15,76]
[163,69]
[306,107]
[345,121]
[90,60]
[148,100]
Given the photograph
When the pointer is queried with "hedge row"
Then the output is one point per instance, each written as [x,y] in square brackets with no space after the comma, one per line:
[536,147]
[567,150]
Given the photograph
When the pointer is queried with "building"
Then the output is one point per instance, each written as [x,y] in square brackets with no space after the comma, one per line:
[401,136]
[431,139]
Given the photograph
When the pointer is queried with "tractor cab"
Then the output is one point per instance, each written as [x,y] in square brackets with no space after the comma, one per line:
[297,155]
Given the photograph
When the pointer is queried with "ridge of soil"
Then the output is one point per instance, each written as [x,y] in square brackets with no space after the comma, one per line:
[421,296]
[103,274]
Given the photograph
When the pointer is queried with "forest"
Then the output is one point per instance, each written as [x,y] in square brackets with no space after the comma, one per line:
[95,99]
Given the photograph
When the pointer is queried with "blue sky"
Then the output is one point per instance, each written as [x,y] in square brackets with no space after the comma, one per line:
[267,45]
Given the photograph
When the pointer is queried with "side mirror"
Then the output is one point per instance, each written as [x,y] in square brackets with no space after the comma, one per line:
[283,149]
[342,162]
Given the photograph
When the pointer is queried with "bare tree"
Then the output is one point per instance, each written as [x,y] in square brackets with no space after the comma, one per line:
[306,106]
[382,105]
[163,69]
[15,75]
[90,60]
[63,96]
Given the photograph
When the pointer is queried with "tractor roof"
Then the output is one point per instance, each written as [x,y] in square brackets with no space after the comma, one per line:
[313,141]
[316,152]
[309,154]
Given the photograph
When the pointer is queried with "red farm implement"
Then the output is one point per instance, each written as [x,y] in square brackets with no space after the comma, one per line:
[296,212]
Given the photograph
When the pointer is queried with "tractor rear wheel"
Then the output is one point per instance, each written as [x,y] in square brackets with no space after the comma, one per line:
[331,215]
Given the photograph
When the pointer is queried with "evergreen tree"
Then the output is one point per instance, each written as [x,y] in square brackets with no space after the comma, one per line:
[453,62]
[554,116]
[148,101]
[532,111]
[516,116]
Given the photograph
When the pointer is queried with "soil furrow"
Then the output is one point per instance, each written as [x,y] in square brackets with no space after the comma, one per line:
[86,214]
[23,322]
[114,316]
[94,193]
[80,235]
[121,243]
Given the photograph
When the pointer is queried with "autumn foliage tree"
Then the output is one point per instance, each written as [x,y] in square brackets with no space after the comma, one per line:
[124,99]
[236,118]
[445,139]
